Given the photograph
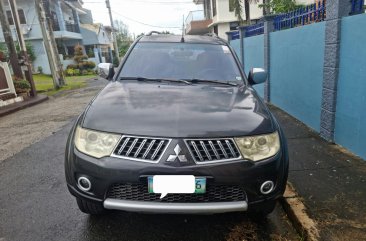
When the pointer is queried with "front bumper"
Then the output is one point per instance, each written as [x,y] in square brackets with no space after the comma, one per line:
[105,172]
[176,208]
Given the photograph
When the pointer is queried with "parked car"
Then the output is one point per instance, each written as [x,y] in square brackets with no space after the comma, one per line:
[178,129]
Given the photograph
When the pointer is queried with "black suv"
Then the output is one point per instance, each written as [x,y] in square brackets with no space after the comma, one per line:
[179,129]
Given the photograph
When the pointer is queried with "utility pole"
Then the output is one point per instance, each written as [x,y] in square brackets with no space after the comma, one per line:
[58,63]
[23,49]
[114,37]
[47,42]
[17,70]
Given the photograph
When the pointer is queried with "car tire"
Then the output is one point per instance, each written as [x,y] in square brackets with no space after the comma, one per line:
[90,207]
[261,211]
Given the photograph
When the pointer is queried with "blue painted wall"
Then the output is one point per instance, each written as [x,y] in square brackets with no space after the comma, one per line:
[254,57]
[297,58]
[350,129]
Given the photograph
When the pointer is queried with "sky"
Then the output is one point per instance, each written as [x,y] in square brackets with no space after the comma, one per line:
[163,15]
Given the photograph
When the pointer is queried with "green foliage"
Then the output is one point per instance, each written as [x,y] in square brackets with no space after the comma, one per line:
[69,72]
[30,50]
[91,53]
[236,5]
[72,66]
[4,55]
[77,72]
[90,65]
[123,37]
[40,69]
[281,6]
[21,86]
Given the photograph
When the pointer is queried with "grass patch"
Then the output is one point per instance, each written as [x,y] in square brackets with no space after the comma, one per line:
[44,83]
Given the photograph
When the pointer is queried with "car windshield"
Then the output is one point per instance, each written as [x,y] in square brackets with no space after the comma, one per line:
[179,61]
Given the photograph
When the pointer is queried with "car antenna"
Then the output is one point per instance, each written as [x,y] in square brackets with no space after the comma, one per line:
[182,39]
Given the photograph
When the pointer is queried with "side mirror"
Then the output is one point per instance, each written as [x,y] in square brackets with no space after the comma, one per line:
[257,76]
[106,71]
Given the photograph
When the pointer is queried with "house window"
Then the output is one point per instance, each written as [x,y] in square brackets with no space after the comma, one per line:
[214,8]
[21,14]
[234,26]
[216,30]
[231,5]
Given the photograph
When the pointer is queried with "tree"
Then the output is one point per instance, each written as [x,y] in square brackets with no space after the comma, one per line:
[238,10]
[281,6]
[123,37]
[237,5]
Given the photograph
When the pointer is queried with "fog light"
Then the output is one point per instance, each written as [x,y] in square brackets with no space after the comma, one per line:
[84,184]
[267,187]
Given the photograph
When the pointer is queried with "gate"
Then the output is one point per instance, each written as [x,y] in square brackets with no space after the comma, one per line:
[6,83]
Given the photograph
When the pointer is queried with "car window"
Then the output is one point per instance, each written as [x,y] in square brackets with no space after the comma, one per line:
[181,61]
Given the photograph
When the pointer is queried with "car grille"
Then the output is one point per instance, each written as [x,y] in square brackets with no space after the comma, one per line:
[139,192]
[141,148]
[213,150]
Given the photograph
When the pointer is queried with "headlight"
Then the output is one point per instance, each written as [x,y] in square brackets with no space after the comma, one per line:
[95,143]
[257,148]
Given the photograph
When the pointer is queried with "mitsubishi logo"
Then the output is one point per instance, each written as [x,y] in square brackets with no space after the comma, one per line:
[177,150]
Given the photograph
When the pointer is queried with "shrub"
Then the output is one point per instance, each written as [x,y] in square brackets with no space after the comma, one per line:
[84,72]
[76,71]
[79,57]
[21,86]
[40,69]
[89,65]
[91,72]
[69,72]
[72,66]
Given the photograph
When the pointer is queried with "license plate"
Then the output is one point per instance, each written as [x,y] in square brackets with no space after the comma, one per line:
[165,184]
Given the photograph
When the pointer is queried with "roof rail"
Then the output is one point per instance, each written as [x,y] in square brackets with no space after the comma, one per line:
[152,32]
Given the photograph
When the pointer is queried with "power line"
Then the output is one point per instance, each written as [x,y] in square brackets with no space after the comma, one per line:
[155,26]
[142,1]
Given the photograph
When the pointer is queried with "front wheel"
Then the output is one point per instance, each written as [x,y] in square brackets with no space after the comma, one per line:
[90,207]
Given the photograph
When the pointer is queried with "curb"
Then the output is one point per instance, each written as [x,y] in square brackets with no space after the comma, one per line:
[22,105]
[296,212]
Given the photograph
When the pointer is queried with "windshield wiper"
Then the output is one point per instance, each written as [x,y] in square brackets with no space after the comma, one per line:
[194,81]
[156,80]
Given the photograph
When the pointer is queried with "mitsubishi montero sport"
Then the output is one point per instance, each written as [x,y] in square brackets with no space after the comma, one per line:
[178,129]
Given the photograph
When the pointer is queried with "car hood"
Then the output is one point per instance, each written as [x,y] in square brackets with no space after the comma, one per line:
[176,110]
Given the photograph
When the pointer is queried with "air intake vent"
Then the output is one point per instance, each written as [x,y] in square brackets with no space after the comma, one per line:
[204,151]
[141,148]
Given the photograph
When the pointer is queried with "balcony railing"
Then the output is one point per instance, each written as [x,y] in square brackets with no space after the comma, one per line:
[195,16]
[196,23]
[72,27]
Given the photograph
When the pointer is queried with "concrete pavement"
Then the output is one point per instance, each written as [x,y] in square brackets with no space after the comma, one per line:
[330,181]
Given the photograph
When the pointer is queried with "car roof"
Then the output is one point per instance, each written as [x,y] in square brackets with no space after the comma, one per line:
[170,38]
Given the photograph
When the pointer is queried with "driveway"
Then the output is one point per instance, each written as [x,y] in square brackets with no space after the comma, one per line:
[35,203]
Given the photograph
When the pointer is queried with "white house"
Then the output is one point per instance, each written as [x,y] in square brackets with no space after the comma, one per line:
[66,17]
[223,18]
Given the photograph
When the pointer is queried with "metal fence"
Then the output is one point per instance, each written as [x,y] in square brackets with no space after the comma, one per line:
[357,6]
[254,30]
[312,13]
[233,35]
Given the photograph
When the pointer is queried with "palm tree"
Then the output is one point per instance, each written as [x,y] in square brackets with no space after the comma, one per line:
[247,9]
[237,5]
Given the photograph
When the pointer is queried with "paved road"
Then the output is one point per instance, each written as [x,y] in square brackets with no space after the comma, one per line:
[35,205]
